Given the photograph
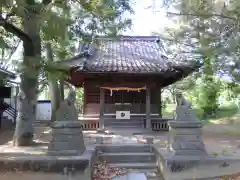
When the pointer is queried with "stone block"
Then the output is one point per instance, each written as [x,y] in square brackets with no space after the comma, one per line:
[67,139]
[66,124]
[65,146]
[149,140]
[190,152]
[188,146]
[186,131]
[184,124]
[66,131]
[64,138]
[99,140]
[187,138]
[64,153]
[131,176]
[101,130]
[184,113]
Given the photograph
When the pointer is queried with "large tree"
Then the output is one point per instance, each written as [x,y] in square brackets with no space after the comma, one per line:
[33,21]
[210,29]
[207,31]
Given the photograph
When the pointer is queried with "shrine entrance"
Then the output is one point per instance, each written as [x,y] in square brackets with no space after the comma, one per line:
[125,107]
[122,80]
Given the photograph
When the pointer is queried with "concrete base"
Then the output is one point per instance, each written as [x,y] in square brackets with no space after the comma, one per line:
[186,138]
[131,176]
[67,137]
[45,163]
[101,130]
[179,167]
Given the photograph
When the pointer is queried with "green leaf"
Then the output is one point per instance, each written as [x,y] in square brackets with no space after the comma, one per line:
[3,44]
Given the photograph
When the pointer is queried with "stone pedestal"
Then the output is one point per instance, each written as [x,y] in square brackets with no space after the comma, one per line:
[186,138]
[186,134]
[67,138]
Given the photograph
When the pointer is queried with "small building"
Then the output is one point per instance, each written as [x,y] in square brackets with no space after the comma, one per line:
[5,92]
[122,80]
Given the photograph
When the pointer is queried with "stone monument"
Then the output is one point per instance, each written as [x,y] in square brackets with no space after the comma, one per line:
[186,131]
[67,136]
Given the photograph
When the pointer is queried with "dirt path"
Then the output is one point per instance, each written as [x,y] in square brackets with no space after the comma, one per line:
[222,139]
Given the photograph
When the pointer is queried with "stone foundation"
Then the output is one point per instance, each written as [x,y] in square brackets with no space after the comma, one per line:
[186,138]
[67,138]
[43,164]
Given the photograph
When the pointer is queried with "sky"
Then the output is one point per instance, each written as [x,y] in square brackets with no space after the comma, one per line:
[147,19]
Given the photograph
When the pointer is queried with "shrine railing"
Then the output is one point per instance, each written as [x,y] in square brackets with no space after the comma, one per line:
[157,124]
[90,124]
[160,124]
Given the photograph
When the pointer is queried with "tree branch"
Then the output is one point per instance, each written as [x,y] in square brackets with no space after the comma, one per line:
[14,30]
[202,15]
[43,85]
[46,2]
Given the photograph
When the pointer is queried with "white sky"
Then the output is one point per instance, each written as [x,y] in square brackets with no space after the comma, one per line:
[147,19]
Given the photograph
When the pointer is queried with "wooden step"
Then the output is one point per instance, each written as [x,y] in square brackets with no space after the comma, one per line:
[126,148]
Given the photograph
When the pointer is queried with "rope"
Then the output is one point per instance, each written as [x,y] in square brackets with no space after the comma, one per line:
[123,88]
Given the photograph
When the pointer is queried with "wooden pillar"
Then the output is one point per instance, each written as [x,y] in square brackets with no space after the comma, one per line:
[160,101]
[84,99]
[101,114]
[148,109]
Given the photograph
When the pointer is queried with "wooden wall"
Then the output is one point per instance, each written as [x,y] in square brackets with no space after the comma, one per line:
[135,99]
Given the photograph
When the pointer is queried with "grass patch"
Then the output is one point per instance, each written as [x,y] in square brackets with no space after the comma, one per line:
[222,115]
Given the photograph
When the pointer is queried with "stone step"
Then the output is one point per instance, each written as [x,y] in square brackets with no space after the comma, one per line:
[152,174]
[124,122]
[127,127]
[121,125]
[147,171]
[141,157]
[190,152]
[117,148]
[106,119]
[134,165]
[159,177]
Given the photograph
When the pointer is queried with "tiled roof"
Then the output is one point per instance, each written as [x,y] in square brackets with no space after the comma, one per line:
[127,54]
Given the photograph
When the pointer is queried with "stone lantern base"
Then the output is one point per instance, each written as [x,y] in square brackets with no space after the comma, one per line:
[67,138]
[186,138]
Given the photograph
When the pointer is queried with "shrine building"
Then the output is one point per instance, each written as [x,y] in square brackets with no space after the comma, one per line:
[122,80]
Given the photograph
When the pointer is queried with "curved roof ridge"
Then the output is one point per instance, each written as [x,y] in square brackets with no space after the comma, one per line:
[128,38]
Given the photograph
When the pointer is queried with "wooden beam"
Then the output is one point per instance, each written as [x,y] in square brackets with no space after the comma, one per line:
[148,109]
[101,114]
[160,100]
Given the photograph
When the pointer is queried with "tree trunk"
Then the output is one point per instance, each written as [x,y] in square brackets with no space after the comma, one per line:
[24,131]
[53,86]
[61,87]
[1,112]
